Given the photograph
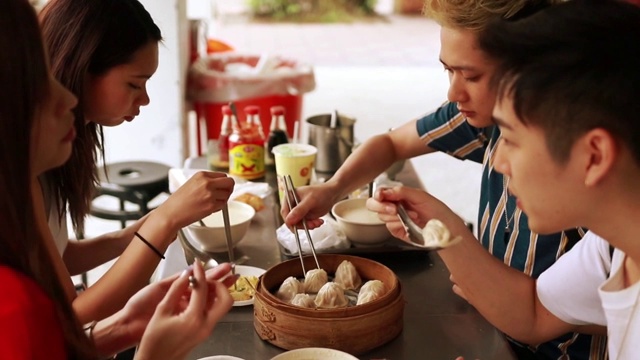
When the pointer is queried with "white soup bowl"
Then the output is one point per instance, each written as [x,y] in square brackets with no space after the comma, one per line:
[212,237]
[361,226]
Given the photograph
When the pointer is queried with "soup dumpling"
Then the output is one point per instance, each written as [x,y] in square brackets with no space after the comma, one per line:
[314,280]
[303,300]
[289,288]
[347,275]
[331,296]
[371,290]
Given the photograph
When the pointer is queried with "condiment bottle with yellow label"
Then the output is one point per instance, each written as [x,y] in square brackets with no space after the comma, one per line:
[246,148]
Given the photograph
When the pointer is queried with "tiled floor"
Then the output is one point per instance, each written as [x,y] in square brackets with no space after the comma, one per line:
[381,73]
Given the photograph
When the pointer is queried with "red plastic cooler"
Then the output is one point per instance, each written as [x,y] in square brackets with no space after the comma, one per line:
[212,112]
[218,79]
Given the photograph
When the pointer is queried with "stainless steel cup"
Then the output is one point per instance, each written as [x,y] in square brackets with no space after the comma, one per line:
[334,144]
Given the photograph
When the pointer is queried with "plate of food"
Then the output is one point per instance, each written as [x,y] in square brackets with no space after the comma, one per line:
[245,287]
[314,354]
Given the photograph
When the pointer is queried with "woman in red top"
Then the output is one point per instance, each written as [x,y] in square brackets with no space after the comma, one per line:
[32,326]
[167,318]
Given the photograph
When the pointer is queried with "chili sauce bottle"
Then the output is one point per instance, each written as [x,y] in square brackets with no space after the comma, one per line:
[246,147]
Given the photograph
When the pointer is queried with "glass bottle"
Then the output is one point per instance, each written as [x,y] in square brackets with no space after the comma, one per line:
[254,124]
[223,139]
[277,133]
[246,147]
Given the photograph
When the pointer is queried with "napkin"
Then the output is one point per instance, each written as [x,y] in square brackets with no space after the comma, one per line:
[327,236]
[179,176]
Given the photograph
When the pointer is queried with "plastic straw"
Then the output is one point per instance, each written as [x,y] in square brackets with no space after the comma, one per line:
[334,119]
[232,105]
[296,132]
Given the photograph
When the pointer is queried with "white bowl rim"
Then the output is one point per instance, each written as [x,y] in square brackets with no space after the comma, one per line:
[245,207]
[315,351]
[338,217]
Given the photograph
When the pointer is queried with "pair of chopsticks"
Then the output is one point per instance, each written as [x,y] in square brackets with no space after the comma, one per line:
[292,201]
[227,233]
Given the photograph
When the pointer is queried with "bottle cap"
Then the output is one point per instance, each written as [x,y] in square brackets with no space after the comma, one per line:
[277,110]
[252,110]
[226,110]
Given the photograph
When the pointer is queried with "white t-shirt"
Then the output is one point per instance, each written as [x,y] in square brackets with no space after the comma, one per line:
[622,309]
[569,288]
[577,291]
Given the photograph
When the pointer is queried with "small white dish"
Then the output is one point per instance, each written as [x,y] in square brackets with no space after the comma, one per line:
[247,271]
[314,354]
[221,357]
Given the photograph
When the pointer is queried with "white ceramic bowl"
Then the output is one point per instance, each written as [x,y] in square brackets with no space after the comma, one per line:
[314,354]
[362,227]
[212,237]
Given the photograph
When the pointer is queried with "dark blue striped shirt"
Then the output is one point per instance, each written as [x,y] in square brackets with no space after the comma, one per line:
[502,227]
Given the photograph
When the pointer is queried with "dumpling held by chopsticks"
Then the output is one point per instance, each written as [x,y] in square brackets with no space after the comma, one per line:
[314,280]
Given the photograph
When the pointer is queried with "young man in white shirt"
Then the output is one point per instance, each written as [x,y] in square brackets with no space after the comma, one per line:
[567,85]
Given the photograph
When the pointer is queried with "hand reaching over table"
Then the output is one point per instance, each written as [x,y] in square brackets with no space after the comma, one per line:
[422,208]
[185,317]
[315,202]
[169,308]
[204,193]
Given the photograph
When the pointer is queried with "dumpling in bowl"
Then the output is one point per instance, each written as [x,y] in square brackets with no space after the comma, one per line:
[331,296]
[314,280]
[371,290]
[303,300]
[289,288]
[347,275]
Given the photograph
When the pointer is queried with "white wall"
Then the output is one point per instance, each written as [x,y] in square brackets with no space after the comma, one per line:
[156,134]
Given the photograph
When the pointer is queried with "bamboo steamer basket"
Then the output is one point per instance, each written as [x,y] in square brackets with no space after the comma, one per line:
[355,329]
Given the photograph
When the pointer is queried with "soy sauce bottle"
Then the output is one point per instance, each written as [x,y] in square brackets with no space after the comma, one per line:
[277,133]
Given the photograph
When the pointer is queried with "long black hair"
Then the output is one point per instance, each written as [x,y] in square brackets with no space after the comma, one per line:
[24,84]
[89,37]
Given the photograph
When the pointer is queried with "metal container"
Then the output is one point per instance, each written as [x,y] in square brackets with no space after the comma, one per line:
[334,144]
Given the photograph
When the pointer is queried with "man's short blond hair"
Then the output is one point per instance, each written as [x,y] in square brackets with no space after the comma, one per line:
[474,15]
